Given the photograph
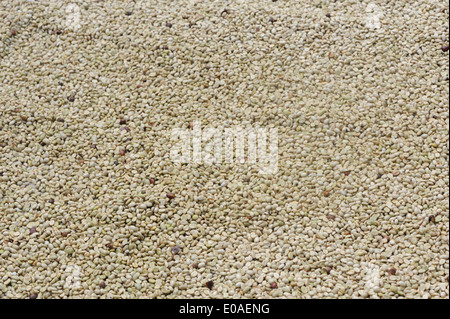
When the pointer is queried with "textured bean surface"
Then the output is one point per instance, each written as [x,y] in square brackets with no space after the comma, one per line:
[92,206]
